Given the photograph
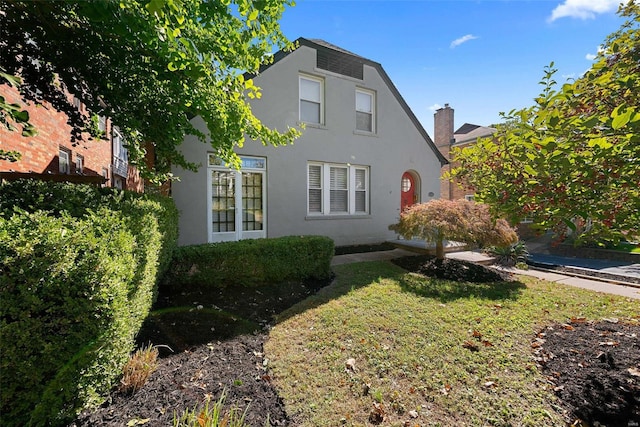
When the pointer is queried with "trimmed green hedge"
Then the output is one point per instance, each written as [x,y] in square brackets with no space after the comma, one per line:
[252,262]
[79,271]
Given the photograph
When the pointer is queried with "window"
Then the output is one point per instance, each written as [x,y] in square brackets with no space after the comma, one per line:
[120,156]
[102,123]
[337,189]
[63,161]
[364,110]
[311,97]
[470,198]
[105,175]
[79,163]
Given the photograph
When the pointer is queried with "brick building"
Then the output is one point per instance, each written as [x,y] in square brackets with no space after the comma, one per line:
[446,139]
[52,152]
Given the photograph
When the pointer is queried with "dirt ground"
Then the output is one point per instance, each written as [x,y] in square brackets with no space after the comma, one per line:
[211,342]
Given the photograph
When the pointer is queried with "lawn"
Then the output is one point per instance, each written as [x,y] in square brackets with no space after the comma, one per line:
[383,344]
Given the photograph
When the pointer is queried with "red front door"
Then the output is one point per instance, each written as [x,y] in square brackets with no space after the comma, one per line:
[407,195]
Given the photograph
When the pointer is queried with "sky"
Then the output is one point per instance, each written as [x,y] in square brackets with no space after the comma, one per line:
[481,57]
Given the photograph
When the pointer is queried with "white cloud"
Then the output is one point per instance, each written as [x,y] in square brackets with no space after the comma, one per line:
[592,56]
[463,39]
[435,107]
[583,9]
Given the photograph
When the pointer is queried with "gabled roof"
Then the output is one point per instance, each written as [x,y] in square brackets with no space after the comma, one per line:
[468,132]
[345,62]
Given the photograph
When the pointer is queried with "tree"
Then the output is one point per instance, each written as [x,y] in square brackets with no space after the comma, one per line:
[571,161]
[149,65]
[458,220]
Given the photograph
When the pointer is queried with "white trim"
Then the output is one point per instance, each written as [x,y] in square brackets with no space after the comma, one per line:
[252,165]
[64,158]
[372,96]
[320,101]
[325,188]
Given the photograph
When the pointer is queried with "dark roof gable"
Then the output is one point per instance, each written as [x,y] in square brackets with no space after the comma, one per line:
[335,59]
[466,128]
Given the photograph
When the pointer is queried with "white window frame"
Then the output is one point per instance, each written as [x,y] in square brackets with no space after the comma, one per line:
[64,161]
[352,189]
[320,82]
[79,164]
[470,197]
[102,123]
[372,96]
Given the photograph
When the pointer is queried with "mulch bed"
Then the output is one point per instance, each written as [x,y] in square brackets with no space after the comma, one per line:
[217,336]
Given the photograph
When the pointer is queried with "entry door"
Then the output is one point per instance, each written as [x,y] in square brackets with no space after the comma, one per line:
[237,203]
[408,191]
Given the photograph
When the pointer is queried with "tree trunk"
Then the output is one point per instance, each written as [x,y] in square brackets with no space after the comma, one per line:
[439,249]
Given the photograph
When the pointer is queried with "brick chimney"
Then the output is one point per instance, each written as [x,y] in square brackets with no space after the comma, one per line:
[443,137]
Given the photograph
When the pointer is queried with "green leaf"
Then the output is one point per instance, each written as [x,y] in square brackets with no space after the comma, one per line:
[620,120]
[22,116]
[155,7]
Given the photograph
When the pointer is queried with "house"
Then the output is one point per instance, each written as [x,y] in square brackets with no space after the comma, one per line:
[53,155]
[446,139]
[362,158]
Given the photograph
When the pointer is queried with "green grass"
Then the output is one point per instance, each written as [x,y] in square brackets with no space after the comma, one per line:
[406,334]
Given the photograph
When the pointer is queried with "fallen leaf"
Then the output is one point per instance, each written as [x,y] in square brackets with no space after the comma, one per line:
[611,319]
[567,327]
[634,371]
[477,334]
[138,422]
[413,414]
[376,416]
[578,320]
[446,389]
[610,343]
[489,384]
[351,364]
[471,346]
[487,343]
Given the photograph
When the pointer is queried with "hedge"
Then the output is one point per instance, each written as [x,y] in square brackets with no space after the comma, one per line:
[79,271]
[252,262]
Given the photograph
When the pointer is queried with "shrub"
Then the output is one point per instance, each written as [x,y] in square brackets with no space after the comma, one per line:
[457,220]
[253,262]
[211,416]
[138,369]
[77,281]
[509,255]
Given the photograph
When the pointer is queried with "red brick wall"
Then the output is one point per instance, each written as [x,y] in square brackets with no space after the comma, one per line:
[456,191]
[40,152]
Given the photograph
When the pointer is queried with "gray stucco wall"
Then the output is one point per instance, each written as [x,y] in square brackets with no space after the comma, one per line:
[396,147]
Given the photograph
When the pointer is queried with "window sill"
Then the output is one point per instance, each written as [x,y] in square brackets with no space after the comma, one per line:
[365,133]
[337,216]
[312,125]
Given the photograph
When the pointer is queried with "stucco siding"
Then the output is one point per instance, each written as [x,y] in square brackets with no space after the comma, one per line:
[395,147]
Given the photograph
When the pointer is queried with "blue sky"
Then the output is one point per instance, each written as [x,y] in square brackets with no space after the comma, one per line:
[479,56]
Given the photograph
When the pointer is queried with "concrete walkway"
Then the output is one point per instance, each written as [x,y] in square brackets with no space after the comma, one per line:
[593,285]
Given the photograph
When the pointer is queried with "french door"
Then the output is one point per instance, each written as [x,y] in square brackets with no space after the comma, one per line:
[237,200]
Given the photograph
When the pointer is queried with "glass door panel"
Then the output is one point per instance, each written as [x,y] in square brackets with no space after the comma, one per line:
[223,199]
[252,203]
